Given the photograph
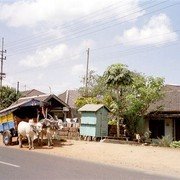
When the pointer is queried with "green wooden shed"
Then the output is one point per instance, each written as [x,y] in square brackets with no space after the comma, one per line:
[94,120]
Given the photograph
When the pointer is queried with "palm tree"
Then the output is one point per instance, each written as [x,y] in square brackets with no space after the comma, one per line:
[117,78]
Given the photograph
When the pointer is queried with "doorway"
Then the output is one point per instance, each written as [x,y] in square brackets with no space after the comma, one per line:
[177,129]
[157,128]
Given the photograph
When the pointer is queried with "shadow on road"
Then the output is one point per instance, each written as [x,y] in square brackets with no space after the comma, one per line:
[56,143]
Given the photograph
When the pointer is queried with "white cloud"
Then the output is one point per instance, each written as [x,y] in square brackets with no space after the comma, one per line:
[157,30]
[40,76]
[30,13]
[78,70]
[49,33]
[44,57]
[61,52]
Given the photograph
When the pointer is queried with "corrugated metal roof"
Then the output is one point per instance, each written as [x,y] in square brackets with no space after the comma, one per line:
[30,102]
[42,98]
[92,107]
[24,99]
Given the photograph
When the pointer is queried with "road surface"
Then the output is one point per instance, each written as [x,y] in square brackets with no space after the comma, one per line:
[24,165]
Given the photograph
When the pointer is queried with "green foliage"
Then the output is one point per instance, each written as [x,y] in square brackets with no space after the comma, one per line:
[95,85]
[175,144]
[112,122]
[86,100]
[97,92]
[143,92]
[127,94]
[117,78]
[8,96]
[107,99]
[118,75]
[165,141]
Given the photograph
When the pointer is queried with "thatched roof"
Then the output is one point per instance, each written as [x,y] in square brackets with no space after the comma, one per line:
[170,102]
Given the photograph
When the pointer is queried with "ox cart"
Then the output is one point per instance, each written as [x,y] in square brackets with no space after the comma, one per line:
[12,116]
[28,108]
[8,128]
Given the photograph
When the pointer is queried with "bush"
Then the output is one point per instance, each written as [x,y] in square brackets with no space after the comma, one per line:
[175,144]
[112,122]
[165,141]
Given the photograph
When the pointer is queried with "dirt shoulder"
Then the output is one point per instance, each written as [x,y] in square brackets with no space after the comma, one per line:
[147,158]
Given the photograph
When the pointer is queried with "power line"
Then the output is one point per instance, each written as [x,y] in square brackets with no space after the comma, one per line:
[51,42]
[75,21]
[114,45]
[128,52]
[134,41]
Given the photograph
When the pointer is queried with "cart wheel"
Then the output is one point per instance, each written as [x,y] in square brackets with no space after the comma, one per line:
[7,138]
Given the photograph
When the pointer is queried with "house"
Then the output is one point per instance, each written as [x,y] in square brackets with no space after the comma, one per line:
[51,103]
[70,97]
[94,120]
[32,92]
[163,116]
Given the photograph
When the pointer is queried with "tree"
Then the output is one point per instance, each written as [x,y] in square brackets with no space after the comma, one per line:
[144,91]
[86,100]
[8,96]
[127,94]
[118,78]
[91,82]
[97,91]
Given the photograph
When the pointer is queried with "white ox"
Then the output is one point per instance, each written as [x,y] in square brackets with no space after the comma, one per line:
[29,130]
[50,129]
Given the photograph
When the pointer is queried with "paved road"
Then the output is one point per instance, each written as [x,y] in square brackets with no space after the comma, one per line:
[18,164]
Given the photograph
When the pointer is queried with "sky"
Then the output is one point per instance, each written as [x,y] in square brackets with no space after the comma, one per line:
[47,40]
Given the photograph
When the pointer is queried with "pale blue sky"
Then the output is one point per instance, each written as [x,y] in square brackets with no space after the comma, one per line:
[47,40]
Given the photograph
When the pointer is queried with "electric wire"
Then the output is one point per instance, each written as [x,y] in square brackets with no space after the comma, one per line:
[105,27]
[69,24]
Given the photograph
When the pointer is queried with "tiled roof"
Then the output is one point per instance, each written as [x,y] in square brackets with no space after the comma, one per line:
[69,97]
[32,92]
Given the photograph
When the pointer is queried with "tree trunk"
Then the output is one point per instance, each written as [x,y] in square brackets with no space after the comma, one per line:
[118,135]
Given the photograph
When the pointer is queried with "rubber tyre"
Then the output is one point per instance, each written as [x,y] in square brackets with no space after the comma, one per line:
[7,138]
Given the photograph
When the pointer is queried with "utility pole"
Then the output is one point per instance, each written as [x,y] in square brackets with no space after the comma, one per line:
[87,73]
[2,75]
[17,91]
